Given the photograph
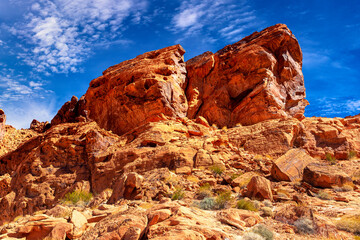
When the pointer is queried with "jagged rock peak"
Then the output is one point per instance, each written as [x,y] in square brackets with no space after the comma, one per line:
[255,79]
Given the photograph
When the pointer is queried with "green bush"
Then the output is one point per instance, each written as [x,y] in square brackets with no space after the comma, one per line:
[351,155]
[207,203]
[349,224]
[324,195]
[330,158]
[178,194]
[267,212]
[234,176]
[77,197]
[267,203]
[223,199]
[344,188]
[304,226]
[204,191]
[217,170]
[263,231]
[252,236]
[247,205]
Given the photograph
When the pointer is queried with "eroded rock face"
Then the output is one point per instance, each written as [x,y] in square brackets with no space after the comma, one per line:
[2,123]
[325,176]
[336,136]
[139,90]
[255,79]
[290,166]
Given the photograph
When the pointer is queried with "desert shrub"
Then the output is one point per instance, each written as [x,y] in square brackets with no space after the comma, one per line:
[282,192]
[245,204]
[217,170]
[77,197]
[267,203]
[207,203]
[324,195]
[178,194]
[344,188]
[193,179]
[304,225]
[223,199]
[252,236]
[204,191]
[351,155]
[267,212]
[330,158]
[263,231]
[234,176]
[349,224]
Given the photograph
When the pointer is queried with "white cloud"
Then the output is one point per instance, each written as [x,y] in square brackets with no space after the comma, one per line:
[333,107]
[314,59]
[20,114]
[353,105]
[227,18]
[63,32]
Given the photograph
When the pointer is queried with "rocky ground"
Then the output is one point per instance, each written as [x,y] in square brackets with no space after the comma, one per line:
[213,148]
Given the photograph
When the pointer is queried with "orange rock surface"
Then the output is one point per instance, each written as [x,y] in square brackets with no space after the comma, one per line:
[255,79]
[2,123]
[139,90]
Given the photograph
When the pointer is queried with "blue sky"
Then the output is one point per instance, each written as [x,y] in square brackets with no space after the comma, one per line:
[51,49]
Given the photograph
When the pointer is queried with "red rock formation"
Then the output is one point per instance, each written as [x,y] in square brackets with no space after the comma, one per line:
[336,136]
[72,111]
[255,79]
[2,123]
[39,127]
[290,166]
[325,176]
[139,90]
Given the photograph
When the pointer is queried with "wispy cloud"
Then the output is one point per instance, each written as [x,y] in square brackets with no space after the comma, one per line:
[227,19]
[24,100]
[313,59]
[333,107]
[61,33]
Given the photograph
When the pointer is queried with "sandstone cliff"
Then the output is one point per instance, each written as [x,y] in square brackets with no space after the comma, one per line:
[144,140]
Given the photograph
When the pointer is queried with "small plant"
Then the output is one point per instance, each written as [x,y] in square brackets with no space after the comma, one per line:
[252,236]
[349,224]
[324,195]
[267,203]
[78,197]
[304,226]
[330,158]
[344,188]
[234,176]
[217,170]
[178,194]
[223,199]
[246,205]
[193,179]
[204,191]
[351,155]
[267,212]
[207,203]
[263,231]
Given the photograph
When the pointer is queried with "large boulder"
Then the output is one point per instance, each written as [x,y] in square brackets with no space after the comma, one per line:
[255,79]
[259,188]
[139,90]
[290,166]
[2,123]
[325,176]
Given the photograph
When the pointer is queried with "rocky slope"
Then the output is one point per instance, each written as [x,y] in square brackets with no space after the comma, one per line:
[138,156]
